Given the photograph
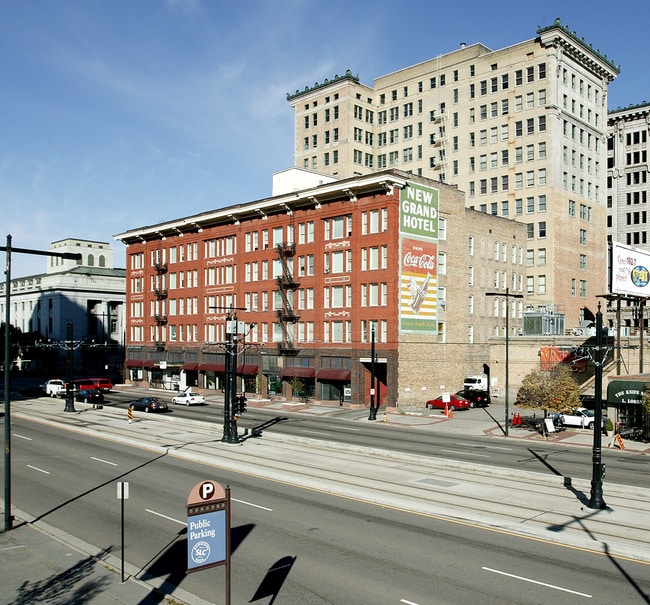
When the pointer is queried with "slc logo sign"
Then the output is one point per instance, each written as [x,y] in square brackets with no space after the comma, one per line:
[200,552]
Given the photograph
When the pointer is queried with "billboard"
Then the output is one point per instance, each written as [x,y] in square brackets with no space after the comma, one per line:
[630,271]
[418,259]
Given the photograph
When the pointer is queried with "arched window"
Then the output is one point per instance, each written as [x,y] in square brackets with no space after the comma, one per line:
[102,260]
[91,260]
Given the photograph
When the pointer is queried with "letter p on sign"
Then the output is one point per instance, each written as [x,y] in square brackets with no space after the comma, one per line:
[206,491]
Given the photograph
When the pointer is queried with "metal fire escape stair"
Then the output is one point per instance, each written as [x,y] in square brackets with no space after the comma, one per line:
[286,315]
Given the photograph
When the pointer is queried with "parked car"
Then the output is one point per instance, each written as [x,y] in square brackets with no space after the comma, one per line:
[189,398]
[54,387]
[580,417]
[89,395]
[455,402]
[478,398]
[149,404]
[81,384]
[103,384]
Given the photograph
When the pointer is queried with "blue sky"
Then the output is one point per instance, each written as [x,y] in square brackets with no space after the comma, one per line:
[117,114]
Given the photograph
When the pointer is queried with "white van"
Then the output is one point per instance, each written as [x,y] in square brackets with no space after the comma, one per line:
[477,382]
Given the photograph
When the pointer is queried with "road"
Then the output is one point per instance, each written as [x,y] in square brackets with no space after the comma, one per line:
[321,548]
[552,458]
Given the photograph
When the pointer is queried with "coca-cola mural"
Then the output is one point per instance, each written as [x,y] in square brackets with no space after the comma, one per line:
[419,259]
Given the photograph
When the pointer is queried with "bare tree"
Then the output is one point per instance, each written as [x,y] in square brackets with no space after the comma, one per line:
[554,391]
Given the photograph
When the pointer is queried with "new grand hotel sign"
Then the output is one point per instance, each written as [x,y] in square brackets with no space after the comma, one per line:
[419,259]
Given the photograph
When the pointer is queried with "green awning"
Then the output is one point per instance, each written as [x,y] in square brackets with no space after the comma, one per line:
[626,391]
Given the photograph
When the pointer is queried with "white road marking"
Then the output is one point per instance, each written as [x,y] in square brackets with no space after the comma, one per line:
[40,470]
[407,602]
[12,547]
[509,575]
[318,433]
[21,436]
[104,461]
[153,512]
[251,504]
[466,453]
[343,428]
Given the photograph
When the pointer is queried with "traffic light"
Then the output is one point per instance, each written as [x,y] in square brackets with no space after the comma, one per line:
[240,405]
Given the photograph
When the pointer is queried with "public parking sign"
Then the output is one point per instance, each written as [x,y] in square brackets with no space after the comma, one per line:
[208,526]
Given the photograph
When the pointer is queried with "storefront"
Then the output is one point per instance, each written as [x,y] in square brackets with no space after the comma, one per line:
[626,396]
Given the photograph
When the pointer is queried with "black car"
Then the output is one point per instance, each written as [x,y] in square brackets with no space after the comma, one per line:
[149,404]
[89,395]
[478,399]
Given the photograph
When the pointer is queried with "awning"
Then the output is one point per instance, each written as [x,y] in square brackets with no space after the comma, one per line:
[190,365]
[219,368]
[298,372]
[329,374]
[247,369]
[134,363]
[148,363]
[626,391]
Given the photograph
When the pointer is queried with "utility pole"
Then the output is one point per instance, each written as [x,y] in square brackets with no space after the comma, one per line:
[8,518]
[508,296]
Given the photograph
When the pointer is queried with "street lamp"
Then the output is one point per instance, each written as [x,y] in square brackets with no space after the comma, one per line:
[7,365]
[598,468]
[373,410]
[508,296]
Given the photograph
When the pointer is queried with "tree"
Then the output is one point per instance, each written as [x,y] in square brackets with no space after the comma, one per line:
[554,391]
[297,386]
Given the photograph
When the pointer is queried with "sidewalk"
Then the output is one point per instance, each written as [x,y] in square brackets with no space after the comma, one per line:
[38,562]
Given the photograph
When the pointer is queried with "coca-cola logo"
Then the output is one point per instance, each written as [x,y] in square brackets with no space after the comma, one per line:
[421,261]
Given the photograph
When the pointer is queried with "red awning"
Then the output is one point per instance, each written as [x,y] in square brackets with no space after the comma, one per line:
[213,367]
[298,371]
[190,365]
[328,374]
[148,363]
[134,363]
[247,369]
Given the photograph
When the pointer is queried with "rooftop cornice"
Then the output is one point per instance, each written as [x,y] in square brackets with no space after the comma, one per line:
[307,199]
[347,76]
[579,48]
[629,111]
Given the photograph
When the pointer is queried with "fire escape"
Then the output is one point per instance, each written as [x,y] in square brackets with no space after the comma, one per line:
[160,292]
[286,315]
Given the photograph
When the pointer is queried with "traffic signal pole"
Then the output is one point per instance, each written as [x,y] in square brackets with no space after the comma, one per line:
[230,387]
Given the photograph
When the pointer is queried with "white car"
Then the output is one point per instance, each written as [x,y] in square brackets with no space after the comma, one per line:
[580,417]
[188,398]
[54,387]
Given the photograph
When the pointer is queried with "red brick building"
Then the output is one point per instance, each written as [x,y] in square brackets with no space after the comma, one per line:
[315,277]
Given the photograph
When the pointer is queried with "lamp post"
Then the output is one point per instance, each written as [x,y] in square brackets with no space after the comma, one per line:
[508,296]
[598,468]
[373,410]
[70,347]
[8,518]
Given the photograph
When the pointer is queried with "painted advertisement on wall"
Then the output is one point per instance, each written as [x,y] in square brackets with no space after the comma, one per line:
[419,259]
[630,271]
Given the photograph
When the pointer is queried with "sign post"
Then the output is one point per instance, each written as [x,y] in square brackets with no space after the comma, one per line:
[208,529]
[122,494]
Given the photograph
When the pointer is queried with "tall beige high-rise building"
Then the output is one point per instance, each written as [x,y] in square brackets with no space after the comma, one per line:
[521,130]
[628,187]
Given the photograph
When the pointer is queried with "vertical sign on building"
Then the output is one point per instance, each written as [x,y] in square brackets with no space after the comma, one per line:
[418,259]
[208,521]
